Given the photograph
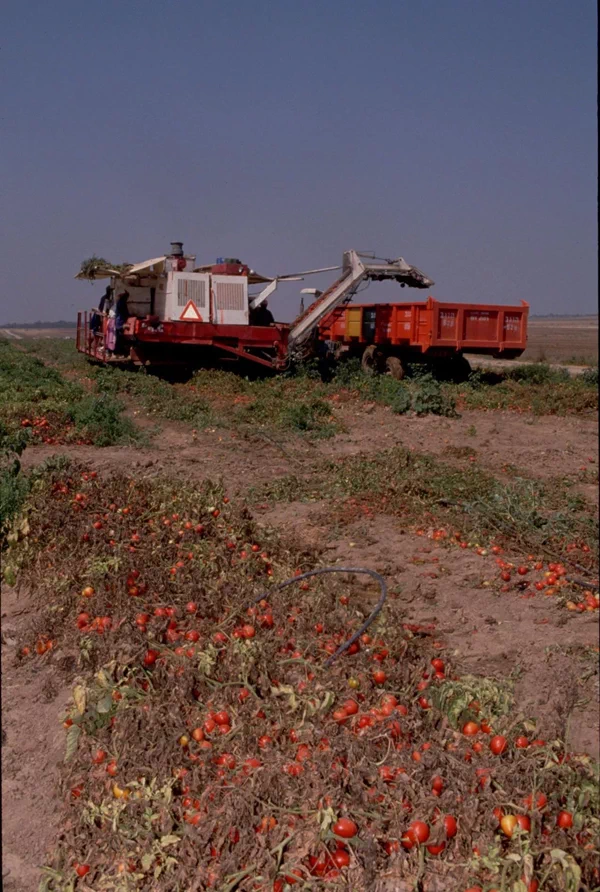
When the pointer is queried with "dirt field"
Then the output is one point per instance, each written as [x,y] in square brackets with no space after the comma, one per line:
[572,341]
[484,627]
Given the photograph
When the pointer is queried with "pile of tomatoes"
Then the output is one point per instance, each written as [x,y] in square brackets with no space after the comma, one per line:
[214,710]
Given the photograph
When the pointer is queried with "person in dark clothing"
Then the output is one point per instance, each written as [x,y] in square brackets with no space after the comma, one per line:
[105,300]
[103,308]
[262,315]
[121,316]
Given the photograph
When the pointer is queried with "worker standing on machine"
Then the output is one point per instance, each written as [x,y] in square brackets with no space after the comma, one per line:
[121,316]
[262,315]
[103,308]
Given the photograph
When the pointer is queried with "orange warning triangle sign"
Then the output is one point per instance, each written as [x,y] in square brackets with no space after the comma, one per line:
[191,313]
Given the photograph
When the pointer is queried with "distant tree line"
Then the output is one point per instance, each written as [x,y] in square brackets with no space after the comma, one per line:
[62,323]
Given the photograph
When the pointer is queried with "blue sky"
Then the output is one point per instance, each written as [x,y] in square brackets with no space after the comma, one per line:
[458,134]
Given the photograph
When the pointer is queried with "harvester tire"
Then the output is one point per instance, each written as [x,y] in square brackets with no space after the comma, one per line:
[394,368]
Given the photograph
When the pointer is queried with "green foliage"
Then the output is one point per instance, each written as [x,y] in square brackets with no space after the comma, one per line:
[30,390]
[173,402]
[13,486]
[590,377]
[540,517]
[307,416]
[537,373]
[430,398]
[101,419]
[532,387]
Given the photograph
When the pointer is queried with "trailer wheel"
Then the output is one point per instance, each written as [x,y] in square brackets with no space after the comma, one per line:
[394,368]
[460,368]
[370,361]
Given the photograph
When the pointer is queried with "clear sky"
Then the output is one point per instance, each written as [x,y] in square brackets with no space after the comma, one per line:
[460,134]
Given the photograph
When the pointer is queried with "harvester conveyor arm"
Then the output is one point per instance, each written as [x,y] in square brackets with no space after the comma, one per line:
[355,270]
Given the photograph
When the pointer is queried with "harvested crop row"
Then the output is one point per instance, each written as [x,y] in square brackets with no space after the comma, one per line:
[208,747]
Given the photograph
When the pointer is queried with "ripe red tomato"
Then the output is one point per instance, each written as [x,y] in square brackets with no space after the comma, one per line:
[265,741]
[151,657]
[340,858]
[524,822]
[424,703]
[81,869]
[386,774]
[340,716]
[436,850]
[409,840]
[470,729]
[437,784]
[303,753]
[345,827]
[522,742]
[523,571]
[111,768]
[450,826]
[222,718]
[420,830]
[379,676]
[98,757]
[350,707]
[564,820]
[541,800]
[498,744]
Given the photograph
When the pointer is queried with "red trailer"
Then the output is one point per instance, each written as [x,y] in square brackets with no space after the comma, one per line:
[387,335]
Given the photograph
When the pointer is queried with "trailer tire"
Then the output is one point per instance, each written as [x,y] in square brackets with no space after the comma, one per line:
[460,369]
[394,367]
[371,360]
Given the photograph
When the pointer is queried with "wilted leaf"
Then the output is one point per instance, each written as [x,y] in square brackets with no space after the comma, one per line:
[147,860]
[79,698]
[72,740]
[104,704]
[328,701]
[326,819]
[169,840]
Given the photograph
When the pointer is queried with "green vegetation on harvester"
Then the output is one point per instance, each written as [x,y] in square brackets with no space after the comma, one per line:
[38,398]
[538,516]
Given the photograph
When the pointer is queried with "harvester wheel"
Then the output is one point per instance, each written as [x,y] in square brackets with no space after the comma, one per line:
[371,360]
[394,368]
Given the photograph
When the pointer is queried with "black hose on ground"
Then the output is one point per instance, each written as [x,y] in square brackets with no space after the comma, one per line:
[582,583]
[376,610]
